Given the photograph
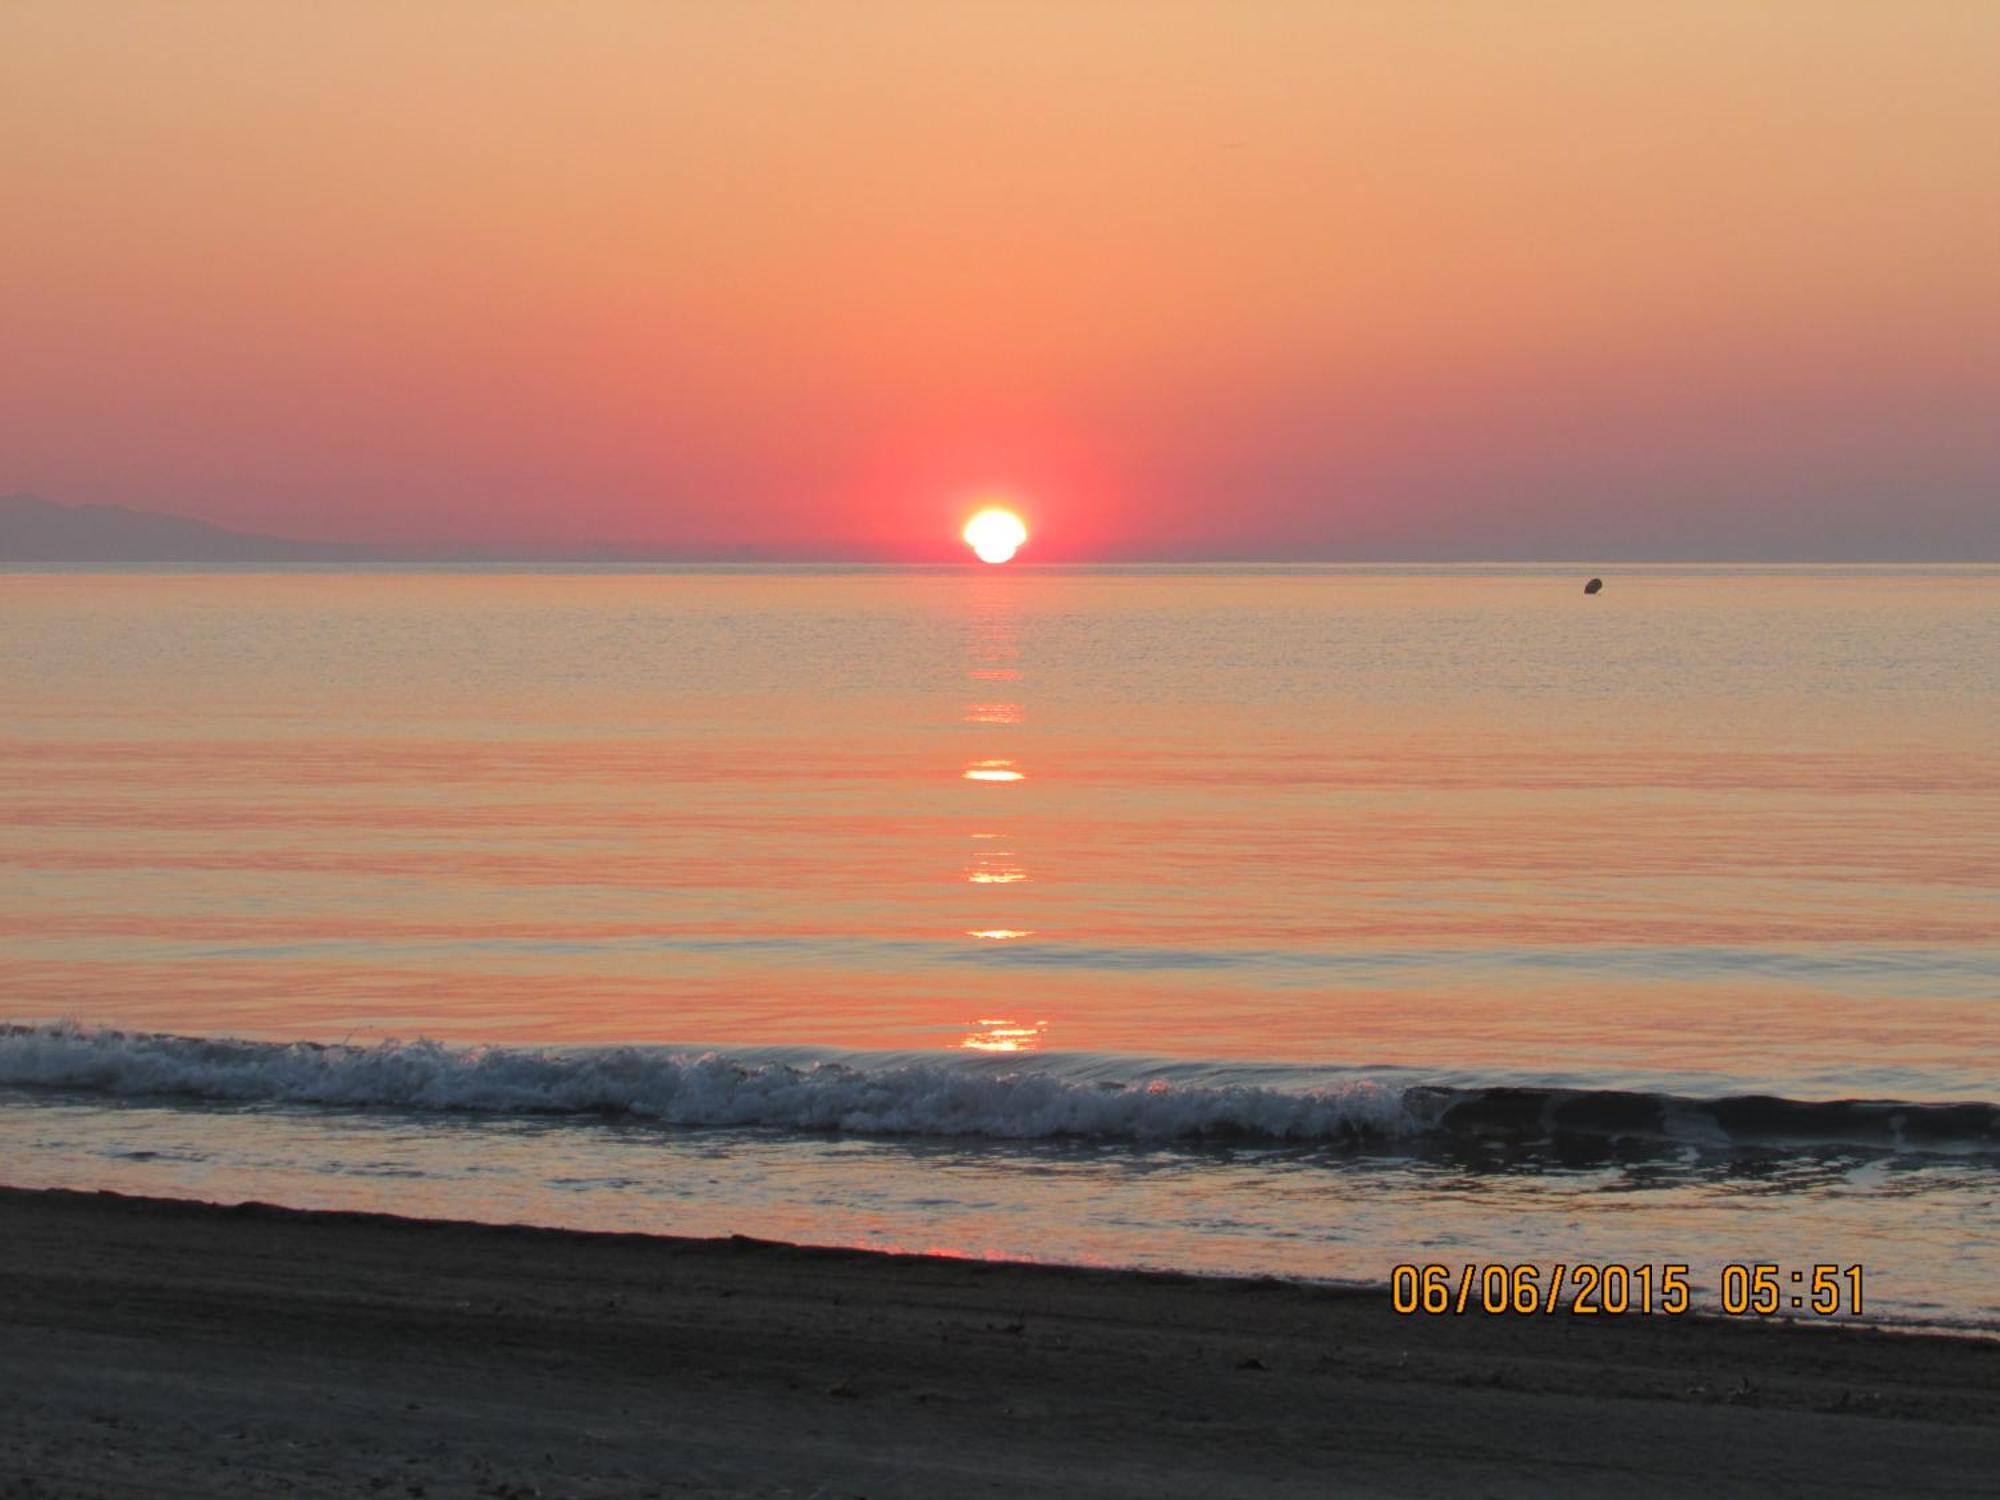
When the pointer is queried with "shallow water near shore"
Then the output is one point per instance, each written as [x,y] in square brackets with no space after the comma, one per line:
[1921,1224]
[1190,903]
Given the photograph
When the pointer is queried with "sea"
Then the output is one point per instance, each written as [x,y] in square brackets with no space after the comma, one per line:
[1293,921]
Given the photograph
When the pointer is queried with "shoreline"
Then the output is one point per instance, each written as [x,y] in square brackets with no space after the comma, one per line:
[171,1346]
[736,1242]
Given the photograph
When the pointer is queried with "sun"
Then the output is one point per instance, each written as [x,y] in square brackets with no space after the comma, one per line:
[995,535]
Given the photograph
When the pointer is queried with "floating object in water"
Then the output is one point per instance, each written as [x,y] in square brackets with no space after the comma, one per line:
[1595,585]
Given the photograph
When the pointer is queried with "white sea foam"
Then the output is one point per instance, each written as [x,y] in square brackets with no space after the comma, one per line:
[947,1097]
[950,1095]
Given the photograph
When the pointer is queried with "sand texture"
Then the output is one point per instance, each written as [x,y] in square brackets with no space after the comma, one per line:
[159,1349]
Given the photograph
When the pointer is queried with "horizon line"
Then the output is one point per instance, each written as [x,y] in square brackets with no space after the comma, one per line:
[418,561]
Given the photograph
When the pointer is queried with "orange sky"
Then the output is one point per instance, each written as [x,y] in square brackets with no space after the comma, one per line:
[1201,279]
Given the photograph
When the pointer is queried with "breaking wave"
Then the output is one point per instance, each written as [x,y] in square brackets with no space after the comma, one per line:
[946,1096]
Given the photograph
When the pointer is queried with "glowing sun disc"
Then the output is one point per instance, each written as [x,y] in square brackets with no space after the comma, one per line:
[995,535]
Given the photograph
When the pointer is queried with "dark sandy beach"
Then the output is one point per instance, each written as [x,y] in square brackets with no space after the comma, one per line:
[151,1348]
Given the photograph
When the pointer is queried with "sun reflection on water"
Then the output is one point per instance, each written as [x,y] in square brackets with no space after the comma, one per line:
[995,657]
[1004,1034]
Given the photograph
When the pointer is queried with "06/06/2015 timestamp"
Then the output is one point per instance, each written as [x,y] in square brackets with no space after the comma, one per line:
[1592,1290]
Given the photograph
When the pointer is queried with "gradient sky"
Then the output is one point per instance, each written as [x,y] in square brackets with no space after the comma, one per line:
[1217,279]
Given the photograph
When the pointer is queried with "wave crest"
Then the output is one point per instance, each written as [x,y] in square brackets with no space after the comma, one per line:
[945,1096]
[942,1098]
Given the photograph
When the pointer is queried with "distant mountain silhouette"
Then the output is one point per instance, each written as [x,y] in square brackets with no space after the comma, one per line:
[39,531]
[33,530]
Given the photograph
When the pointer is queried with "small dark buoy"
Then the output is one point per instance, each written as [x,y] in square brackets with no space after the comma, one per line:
[1594,586]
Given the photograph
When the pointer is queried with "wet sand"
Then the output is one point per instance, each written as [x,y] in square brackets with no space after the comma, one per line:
[154,1348]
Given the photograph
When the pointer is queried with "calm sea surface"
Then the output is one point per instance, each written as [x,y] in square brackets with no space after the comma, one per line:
[1298,920]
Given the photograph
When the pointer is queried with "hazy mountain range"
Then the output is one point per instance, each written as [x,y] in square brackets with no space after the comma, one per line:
[33,530]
